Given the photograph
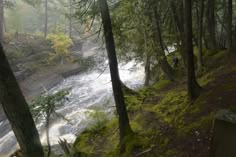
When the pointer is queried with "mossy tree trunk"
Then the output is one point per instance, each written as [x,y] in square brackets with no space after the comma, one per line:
[17,111]
[124,125]
[192,85]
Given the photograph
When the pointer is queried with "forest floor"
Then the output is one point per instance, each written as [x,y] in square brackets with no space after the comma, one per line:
[165,122]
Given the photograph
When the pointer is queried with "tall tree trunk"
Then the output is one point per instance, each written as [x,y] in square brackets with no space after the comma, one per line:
[180,29]
[47,133]
[147,70]
[46,18]
[192,85]
[200,32]
[1,20]
[211,27]
[229,21]
[70,18]
[157,37]
[124,125]
[17,111]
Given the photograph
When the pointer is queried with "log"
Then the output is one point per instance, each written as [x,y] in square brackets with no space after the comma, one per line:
[224,135]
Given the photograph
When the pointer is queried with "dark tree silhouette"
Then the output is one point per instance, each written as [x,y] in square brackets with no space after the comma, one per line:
[192,85]
[124,125]
[17,111]
[229,31]
[1,20]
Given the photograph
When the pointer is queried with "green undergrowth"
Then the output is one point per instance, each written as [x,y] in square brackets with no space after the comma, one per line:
[160,115]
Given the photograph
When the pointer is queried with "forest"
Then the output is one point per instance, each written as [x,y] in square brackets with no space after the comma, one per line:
[117,78]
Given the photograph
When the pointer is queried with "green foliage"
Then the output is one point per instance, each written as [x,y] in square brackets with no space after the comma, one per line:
[47,103]
[61,44]
[100,119]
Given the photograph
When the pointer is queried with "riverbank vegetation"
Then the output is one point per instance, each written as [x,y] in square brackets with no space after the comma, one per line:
[187,49]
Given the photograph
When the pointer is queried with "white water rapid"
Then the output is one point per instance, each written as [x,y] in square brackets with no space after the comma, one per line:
[88,92]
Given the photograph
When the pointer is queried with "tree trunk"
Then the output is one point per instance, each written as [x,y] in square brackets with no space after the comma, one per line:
[147,70]
[157,37]
[1,20]
[17,111]
[124,125]
[180,30]
[211,27]
[46,18]
[70,18]
[192,85]
[230,19]
[200,32]
[47,133]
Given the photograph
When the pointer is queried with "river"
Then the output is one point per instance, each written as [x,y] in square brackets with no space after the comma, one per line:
[89,92]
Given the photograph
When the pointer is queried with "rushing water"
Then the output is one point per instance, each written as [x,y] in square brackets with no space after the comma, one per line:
[88,92]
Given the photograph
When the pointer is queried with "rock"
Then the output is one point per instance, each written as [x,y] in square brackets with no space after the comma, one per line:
[224,135]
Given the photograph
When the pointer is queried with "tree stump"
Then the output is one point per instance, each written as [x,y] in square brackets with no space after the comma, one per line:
[224,135]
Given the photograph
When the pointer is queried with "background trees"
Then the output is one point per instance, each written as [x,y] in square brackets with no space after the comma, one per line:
[154,33]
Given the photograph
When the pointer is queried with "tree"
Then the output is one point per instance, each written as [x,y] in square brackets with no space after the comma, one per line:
[229,31]
[70,18]
[200,32]
[192,85]
[46,18]
[1,20]
[211,25]
[17,111]
[61,44]
[179,24]
[157,38]
[46,105]
[124,125]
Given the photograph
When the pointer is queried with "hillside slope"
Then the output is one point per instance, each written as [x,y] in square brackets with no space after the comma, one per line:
[165,123]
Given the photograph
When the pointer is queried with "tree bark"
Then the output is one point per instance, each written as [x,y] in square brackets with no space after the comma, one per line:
[211,27]
[192,85]
[157,37]
[180,29]
[124,125]
[17,111]
[147,70]
[230,19]
[200,32]
[70,18]
[47,133]
[1,20]
[46,18]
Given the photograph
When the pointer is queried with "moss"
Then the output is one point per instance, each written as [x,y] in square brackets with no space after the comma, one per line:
[206,79]
[199,124]
[219,55]
[136,127]
[171,106]
[81,144]
[161,84]
[133,103]
[134,141]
